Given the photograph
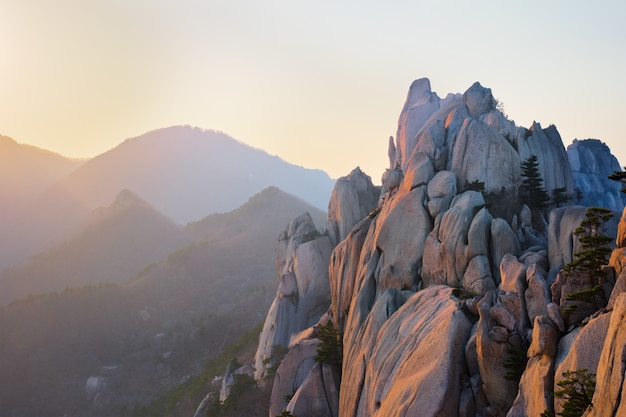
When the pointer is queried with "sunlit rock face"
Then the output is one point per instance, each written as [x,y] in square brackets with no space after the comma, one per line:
[303,294]
[592,162]
[443,292]
[609,397]
[353,198]
[412,364]
[553,163]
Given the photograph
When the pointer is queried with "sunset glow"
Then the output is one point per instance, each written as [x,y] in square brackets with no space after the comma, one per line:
[319,84]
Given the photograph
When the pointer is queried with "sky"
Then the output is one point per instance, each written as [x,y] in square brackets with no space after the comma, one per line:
[319,83]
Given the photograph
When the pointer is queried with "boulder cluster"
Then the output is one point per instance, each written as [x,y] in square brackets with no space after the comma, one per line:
[446,288]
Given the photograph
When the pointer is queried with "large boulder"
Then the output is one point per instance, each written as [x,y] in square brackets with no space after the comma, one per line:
[553,164]
[499,330]
[483,155]
[401,236]
[421,103]
[610,388]
[479,100]
[353,198]
[303,294]
[318,395]
[292,372]
[343,268]
[417,364]
[360,339]
[562,242]
[535,387]
[441,190]
[580,349]
[445,249]
[592,162]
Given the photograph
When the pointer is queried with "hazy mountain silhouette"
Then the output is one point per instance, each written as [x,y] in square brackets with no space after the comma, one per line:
[113,245]
[183,172]
[25,171]
[187,173]
[145,337]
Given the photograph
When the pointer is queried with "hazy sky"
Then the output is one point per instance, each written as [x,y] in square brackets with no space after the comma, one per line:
[320,83]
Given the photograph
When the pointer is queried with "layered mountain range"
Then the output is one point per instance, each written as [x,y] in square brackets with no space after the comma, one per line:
[449,293]
[116,345]
[165,178]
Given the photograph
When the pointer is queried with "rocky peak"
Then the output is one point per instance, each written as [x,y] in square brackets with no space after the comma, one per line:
[444,292]
[592,162]
[353,197]
[479,100]
[421,103]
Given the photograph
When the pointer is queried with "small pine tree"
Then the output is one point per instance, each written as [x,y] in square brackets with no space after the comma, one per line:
[532,191]
[594,254]
[515,363]
[619,176]
[474,185]
[330,348]
[577,390]
[559,196]
[594,243]
[578,195]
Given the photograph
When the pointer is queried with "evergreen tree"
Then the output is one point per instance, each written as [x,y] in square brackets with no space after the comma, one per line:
[619,176]
[559,196]
[577,390]
[578,195]
[595,252]
[532,191]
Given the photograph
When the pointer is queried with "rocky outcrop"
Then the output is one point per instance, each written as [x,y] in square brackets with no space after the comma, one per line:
[303,294]
[353,197]
[415,365]
[580,349]
[535,386]
[592,162]
[232,371]
[318,395]
[610,391]
[421,103]
[291,373]
[552,159]
[445,293]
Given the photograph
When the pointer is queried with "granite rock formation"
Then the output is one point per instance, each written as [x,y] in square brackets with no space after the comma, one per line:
[444,292]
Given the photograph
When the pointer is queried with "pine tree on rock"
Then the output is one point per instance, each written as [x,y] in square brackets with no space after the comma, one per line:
[560,196]
[586,268]
[595,251]
[619,176]
[533,194]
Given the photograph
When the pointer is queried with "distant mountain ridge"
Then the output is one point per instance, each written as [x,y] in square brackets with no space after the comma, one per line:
[183,172]
[26,171]
[113,245]
[145,337]
[187,173]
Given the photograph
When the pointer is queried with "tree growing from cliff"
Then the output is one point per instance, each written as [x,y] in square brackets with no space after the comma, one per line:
[594,254]
[595,251]
[532,192]
[577,389]
[330,348]
[619,176]
[559,196]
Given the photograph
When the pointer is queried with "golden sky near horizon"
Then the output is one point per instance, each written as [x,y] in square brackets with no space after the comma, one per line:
[320,84]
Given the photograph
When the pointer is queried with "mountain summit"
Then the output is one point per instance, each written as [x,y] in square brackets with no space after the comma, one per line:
[187,173]
[452,291]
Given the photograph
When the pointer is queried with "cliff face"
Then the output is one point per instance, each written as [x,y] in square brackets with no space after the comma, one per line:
[592,162]
[444,293]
